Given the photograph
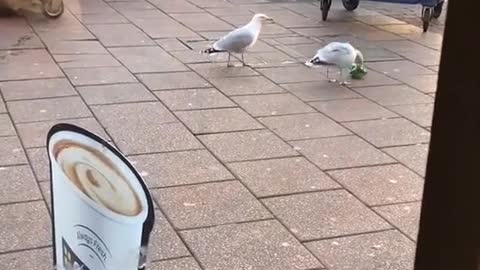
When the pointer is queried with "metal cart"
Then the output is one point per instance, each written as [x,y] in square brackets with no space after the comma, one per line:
[430,8]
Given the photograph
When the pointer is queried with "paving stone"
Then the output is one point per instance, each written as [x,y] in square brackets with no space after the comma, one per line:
[176,264]
[18,185]
[218,120]
[341,152]
[274,104]
[318,215]
[424,83]
[18,232]
[129,6]
[39,161]
[17,34]
[390,132]
[28,259]
[405,216]
[269,59]
[67,28]
[45,189]
[138,15]
[168,81]
[47,109]
[421,114]
[194,99]
[66,61]
[160,131]
[412,156]
[319,91]
[292,74]
[224,11]
[120,35]
[245,86]
[220,70]
[176,6]
[171,44]
[6,126]
[303,126]
[374,78]
[100,18]
[11,152]
[147,59]
[387,250]
[92,6]
[429,39]
[165,243]
[247,145]
[35,134]
[424,56]
[76,47]
[115,93]
[101,75]
[281,176]
[352,109]
[31,89]
[3,109]
[381,184]
[401,29]
[156,138]
[191,57]
[294,40]
[170,28]
[400,69]
[180,168]
[202,22]
[379,19]
[209,204]
[394,95]
[27,64]
[255,245]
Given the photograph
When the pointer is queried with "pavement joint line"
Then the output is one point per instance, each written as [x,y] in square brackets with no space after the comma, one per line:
[25,249]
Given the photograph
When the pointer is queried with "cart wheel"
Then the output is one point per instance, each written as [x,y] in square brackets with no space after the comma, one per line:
[426,17]
[325,7]
[350,4]
[53,8]
[437,10]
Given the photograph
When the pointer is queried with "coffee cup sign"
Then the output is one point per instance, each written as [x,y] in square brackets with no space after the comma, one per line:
[102,210]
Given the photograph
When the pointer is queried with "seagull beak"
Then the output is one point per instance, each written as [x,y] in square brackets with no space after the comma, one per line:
[269,20]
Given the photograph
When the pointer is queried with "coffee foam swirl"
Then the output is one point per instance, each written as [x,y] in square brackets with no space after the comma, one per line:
[97,177]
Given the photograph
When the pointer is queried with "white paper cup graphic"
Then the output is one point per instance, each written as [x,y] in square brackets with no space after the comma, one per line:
[103,212]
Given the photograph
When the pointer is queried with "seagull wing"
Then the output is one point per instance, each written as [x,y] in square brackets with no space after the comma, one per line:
[236,41]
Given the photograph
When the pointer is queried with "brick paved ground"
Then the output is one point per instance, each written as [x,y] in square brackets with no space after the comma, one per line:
[268,167]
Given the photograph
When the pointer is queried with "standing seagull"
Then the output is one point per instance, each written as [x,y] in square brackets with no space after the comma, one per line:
[239,40]
[342,55]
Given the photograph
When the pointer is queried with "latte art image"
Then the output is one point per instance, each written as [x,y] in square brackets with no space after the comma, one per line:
[97,177]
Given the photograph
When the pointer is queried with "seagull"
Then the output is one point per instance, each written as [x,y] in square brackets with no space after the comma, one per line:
[240,39]
[341,55]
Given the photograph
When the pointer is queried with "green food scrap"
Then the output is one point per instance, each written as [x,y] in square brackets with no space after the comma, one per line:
[358,71]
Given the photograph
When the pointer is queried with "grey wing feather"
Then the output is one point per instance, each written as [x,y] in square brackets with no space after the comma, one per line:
[235,41]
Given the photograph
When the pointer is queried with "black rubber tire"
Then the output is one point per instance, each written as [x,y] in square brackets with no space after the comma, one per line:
[325,7]
[437,10]
[55,14]
[426,17]
[350,5]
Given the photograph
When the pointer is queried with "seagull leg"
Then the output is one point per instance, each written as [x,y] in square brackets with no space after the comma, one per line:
[228,62]
[344,77]
[243,62]
[328,76]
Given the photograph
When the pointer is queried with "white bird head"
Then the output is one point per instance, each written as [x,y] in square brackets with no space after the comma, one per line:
[359,58]
[259,17]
